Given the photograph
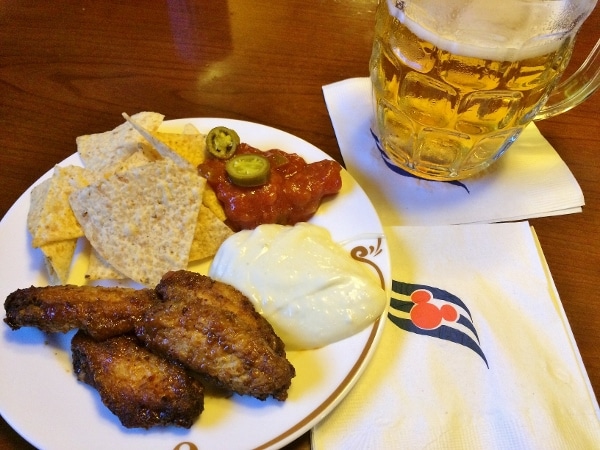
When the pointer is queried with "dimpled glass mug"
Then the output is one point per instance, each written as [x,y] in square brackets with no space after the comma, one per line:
[456,81]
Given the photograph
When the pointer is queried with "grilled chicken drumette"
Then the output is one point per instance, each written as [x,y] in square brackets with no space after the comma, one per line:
[213,329]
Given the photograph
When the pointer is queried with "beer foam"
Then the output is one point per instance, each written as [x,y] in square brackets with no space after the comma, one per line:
[507,36]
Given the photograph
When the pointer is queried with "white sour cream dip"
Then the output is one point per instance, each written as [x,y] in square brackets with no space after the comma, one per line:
[306,285]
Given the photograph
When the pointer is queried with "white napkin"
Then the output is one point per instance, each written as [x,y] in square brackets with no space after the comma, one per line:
[506,375]
[530,180]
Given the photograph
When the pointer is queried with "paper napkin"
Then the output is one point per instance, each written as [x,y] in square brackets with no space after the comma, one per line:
[476,352]
[530,180]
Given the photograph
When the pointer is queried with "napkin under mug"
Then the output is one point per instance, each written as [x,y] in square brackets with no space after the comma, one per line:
[529,180]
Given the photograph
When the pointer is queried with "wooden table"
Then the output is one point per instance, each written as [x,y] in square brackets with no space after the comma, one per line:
[70,68]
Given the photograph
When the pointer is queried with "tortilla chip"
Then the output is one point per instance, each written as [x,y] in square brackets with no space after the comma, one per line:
[209,235]
[57,258]
[189,128]
[165,147]
[192,147]
[142,221]
[210,200]
[136,159]
[99,269]
[36,206]
[102,150]
[50,217]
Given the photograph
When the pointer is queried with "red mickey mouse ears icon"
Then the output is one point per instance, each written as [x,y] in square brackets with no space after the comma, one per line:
[427,315]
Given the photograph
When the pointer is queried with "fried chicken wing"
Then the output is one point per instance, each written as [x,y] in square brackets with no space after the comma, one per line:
[214,329]
[181,284]
[101,312]
[143,390]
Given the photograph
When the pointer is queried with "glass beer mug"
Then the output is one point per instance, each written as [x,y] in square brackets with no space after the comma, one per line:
[456,81]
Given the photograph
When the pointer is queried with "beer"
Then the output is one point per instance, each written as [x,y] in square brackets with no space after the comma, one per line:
[446,110]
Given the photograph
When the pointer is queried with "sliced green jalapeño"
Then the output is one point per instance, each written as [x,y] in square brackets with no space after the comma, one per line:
[248,170]
[222,142]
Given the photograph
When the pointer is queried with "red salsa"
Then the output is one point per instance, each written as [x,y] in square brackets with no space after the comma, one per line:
[292,193]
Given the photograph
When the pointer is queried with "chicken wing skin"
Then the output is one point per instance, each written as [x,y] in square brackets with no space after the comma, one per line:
[213,329]
[178,285]
[101,312]
[143,390]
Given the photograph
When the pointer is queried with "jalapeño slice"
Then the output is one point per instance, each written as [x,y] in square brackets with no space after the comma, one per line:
[248,170]
[222,142]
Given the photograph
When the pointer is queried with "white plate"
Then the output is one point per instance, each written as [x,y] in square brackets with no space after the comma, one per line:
[41,399]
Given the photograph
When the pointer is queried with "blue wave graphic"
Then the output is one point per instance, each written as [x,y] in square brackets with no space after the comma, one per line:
[444,332]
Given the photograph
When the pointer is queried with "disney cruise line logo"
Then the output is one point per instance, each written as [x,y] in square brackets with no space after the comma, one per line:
[431,311]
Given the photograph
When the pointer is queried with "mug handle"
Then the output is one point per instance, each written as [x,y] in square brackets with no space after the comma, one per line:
[575,89]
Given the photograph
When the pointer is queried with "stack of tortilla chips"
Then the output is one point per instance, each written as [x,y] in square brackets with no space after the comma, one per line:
[138,200]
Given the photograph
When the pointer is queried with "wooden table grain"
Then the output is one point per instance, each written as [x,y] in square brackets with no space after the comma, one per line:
[69,68]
